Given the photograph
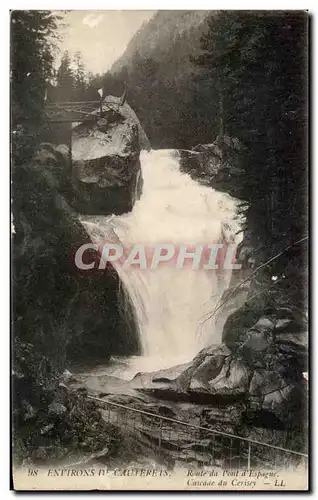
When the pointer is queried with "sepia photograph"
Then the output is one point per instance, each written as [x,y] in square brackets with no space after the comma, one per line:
[159,250]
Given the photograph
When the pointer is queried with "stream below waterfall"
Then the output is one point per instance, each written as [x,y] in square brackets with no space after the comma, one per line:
[171,305]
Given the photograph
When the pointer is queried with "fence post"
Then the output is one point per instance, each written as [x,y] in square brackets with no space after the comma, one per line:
[249,456]
[160,435]
[70,156]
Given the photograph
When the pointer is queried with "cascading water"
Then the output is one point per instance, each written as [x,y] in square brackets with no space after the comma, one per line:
[172,305]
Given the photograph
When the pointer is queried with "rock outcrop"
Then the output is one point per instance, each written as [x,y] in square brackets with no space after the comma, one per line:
[106,169]
[219,390]
[216,164]
[50,420]
[258,371]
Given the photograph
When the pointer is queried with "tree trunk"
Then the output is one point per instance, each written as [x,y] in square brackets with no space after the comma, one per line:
[221,111]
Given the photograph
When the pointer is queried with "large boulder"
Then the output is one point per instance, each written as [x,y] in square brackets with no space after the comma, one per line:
[105,161]
[256,365]
[237,325]
[217,164]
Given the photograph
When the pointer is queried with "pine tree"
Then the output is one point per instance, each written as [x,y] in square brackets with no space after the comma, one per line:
[79,78]
[33,38]
[65,79]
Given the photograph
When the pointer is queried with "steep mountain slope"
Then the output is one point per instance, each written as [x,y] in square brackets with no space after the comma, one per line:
[160,37]
[162,79]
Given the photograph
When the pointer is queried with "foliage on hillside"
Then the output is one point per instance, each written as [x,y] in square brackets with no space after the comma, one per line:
[52,421]
[259,63]
[33,43]
[245,78]
[58,315]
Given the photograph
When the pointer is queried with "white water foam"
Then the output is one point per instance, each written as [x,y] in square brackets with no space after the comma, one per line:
[172,304]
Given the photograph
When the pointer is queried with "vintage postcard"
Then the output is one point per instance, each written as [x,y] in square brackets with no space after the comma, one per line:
[159,250]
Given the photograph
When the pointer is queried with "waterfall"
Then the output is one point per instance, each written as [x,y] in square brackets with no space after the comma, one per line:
[172,305]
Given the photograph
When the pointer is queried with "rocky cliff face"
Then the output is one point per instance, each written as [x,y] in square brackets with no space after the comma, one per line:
[64,312]
[62,315]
